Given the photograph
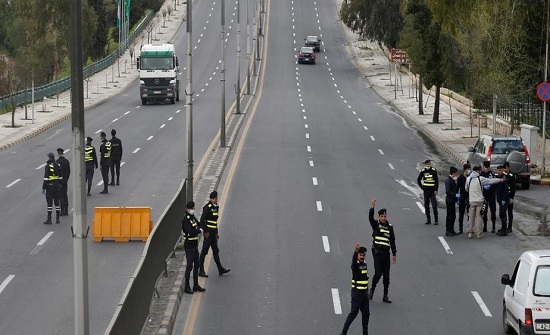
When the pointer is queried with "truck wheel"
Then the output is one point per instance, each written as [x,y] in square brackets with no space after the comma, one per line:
[144,102]
[172,101]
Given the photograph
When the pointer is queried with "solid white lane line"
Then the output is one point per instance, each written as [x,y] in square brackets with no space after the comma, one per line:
[45,238]
[308,148]
[311,163]
[319,206]
[6,282]
[380,151]
[13,183]
[150,137]
[40,166]
[391,166]
[326,246]
[445,245]
[372,138]
[162,126]
[336,301]
[421,207]
[137,149]
[314,181]
[482,304]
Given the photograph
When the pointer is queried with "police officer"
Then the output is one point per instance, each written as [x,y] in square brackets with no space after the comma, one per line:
[489,195]
[105,162]
[383,242]
[191,231]
[359,289]
[511,180]
[90,158]
[503,199]
[66,172]
[52,187]
[428,182]
[116,157]
[463,199]
[209,223]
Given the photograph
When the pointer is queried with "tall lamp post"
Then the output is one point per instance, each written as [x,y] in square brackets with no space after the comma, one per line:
[189,102]
[222,128]
[238,84]
[544,104]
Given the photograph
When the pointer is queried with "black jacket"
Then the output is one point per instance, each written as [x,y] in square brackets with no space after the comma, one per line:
[359,272]
[209,218]
[490,193]
[116,149]
[502,192]
[450,190]
[65,168]
[52,174]
[382,234]
[90,158]
[428,176]
[461,188]
[191,231]
[511,181]
[105,153]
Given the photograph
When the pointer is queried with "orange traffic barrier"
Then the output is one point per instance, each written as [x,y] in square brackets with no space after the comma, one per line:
[122,223]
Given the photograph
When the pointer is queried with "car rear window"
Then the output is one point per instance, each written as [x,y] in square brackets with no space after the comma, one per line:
[501,147]
[542,281]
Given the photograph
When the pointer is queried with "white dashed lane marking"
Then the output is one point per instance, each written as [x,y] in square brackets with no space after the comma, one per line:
[326,245]
[372,138]
[137,149]
[380,151]
[13,183]
[311,163]
[391,166]
[40,166]
[445,245]
[482,304]
[421,207]
[6,282]
[150,138]
[319,206]
[308,148]
[315,181]
[336,301]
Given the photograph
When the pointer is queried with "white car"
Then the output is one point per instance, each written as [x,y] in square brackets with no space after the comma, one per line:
[526,305]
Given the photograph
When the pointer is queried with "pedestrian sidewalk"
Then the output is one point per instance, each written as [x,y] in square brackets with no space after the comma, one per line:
[98,88]
[455,132]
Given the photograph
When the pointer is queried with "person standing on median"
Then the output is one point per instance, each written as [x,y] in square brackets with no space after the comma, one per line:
[359,289]
[450,202]
[191,230]
[428,182]
[209,223]
[52,188]
[116,157]
[90,158]
[66,172]
[105,163]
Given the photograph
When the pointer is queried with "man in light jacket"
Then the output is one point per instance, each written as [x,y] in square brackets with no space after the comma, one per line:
[474,187]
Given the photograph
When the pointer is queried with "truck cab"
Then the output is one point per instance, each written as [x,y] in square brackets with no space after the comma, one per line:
[158,73]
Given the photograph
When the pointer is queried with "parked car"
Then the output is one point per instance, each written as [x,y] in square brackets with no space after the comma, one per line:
[499,149]
[306,55]
[314,42]
[526,303]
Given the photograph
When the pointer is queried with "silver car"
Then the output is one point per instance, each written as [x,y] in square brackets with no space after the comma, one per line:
[499,149]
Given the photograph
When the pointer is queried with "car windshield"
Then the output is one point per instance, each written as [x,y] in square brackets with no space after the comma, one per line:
[157,63]
[505,146]
[311,39]
[306,50]
[542,281]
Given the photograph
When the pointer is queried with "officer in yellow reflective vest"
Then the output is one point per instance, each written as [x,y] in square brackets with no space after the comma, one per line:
[105,163]
[428,182]
[359,289]
[209,223]
[191,231]
[90,159]
[383,242]
[52,187]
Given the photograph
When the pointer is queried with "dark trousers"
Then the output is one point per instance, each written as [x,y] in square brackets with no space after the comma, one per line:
[510,215]
[115,166]
[192,258]
[503,215]
[381,268]
[359,302]
[429,196]
[451,216]
[89,176]
[210,242]
[53,195]
[64,197]
[493,208]
[105,175]
[462,209]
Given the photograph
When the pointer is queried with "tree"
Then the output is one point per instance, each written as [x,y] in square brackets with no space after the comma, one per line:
[99,38]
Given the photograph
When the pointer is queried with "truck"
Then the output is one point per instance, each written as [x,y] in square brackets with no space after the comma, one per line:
[158,73]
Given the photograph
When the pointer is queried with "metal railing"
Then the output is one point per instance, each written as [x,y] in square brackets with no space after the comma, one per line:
[518,113]
[41,92]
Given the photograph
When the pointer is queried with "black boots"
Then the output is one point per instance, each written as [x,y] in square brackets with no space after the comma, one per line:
[371,292]
[386,299]
[187,287]
[57,213]
[196,287]
[202,273]
[223,270]
[49,219]
[105,191]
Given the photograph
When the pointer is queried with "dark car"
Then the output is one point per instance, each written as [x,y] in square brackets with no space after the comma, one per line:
[306,55]
[314,42]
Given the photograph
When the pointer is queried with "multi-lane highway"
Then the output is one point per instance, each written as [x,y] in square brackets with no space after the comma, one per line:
[317,148]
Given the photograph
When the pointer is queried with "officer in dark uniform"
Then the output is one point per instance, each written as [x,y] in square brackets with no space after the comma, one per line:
[359,289]
[428,182]
[52,187]
[383,242]
[90,158]
[105,162]
[463,200]
[191,231]
[116,157]
[511,180]
[66,172]
[209,223]
[489,195]
[503,199]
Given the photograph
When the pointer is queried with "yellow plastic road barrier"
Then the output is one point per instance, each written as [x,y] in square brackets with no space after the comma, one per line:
[122,223]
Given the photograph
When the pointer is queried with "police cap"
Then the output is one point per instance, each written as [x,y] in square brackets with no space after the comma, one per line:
[102,135]
[60,151]
[382,211]
[427,161]
[362,250]
[190,205]
[213,195]
[51,155]
[89,139]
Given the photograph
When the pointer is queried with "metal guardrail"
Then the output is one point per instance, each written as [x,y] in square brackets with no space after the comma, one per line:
[523,113]
[41,92]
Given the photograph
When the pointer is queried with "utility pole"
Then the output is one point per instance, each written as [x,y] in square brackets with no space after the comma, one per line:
[544,104]
[238,85]
[256,37]
[189,101]
[222,129]
[79,229]
[247,50]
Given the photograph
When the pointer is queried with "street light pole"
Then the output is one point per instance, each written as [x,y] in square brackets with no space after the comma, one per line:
[544,104]
[247,50]
[222,129]
[189,102]
[238,85]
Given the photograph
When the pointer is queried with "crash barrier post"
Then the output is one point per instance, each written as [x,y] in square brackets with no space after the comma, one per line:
[122,223]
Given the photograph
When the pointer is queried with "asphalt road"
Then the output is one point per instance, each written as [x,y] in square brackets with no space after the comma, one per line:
[36,267]
[319,146]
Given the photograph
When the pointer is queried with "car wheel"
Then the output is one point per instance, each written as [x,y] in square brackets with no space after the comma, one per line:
[505,324]
[525,185]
